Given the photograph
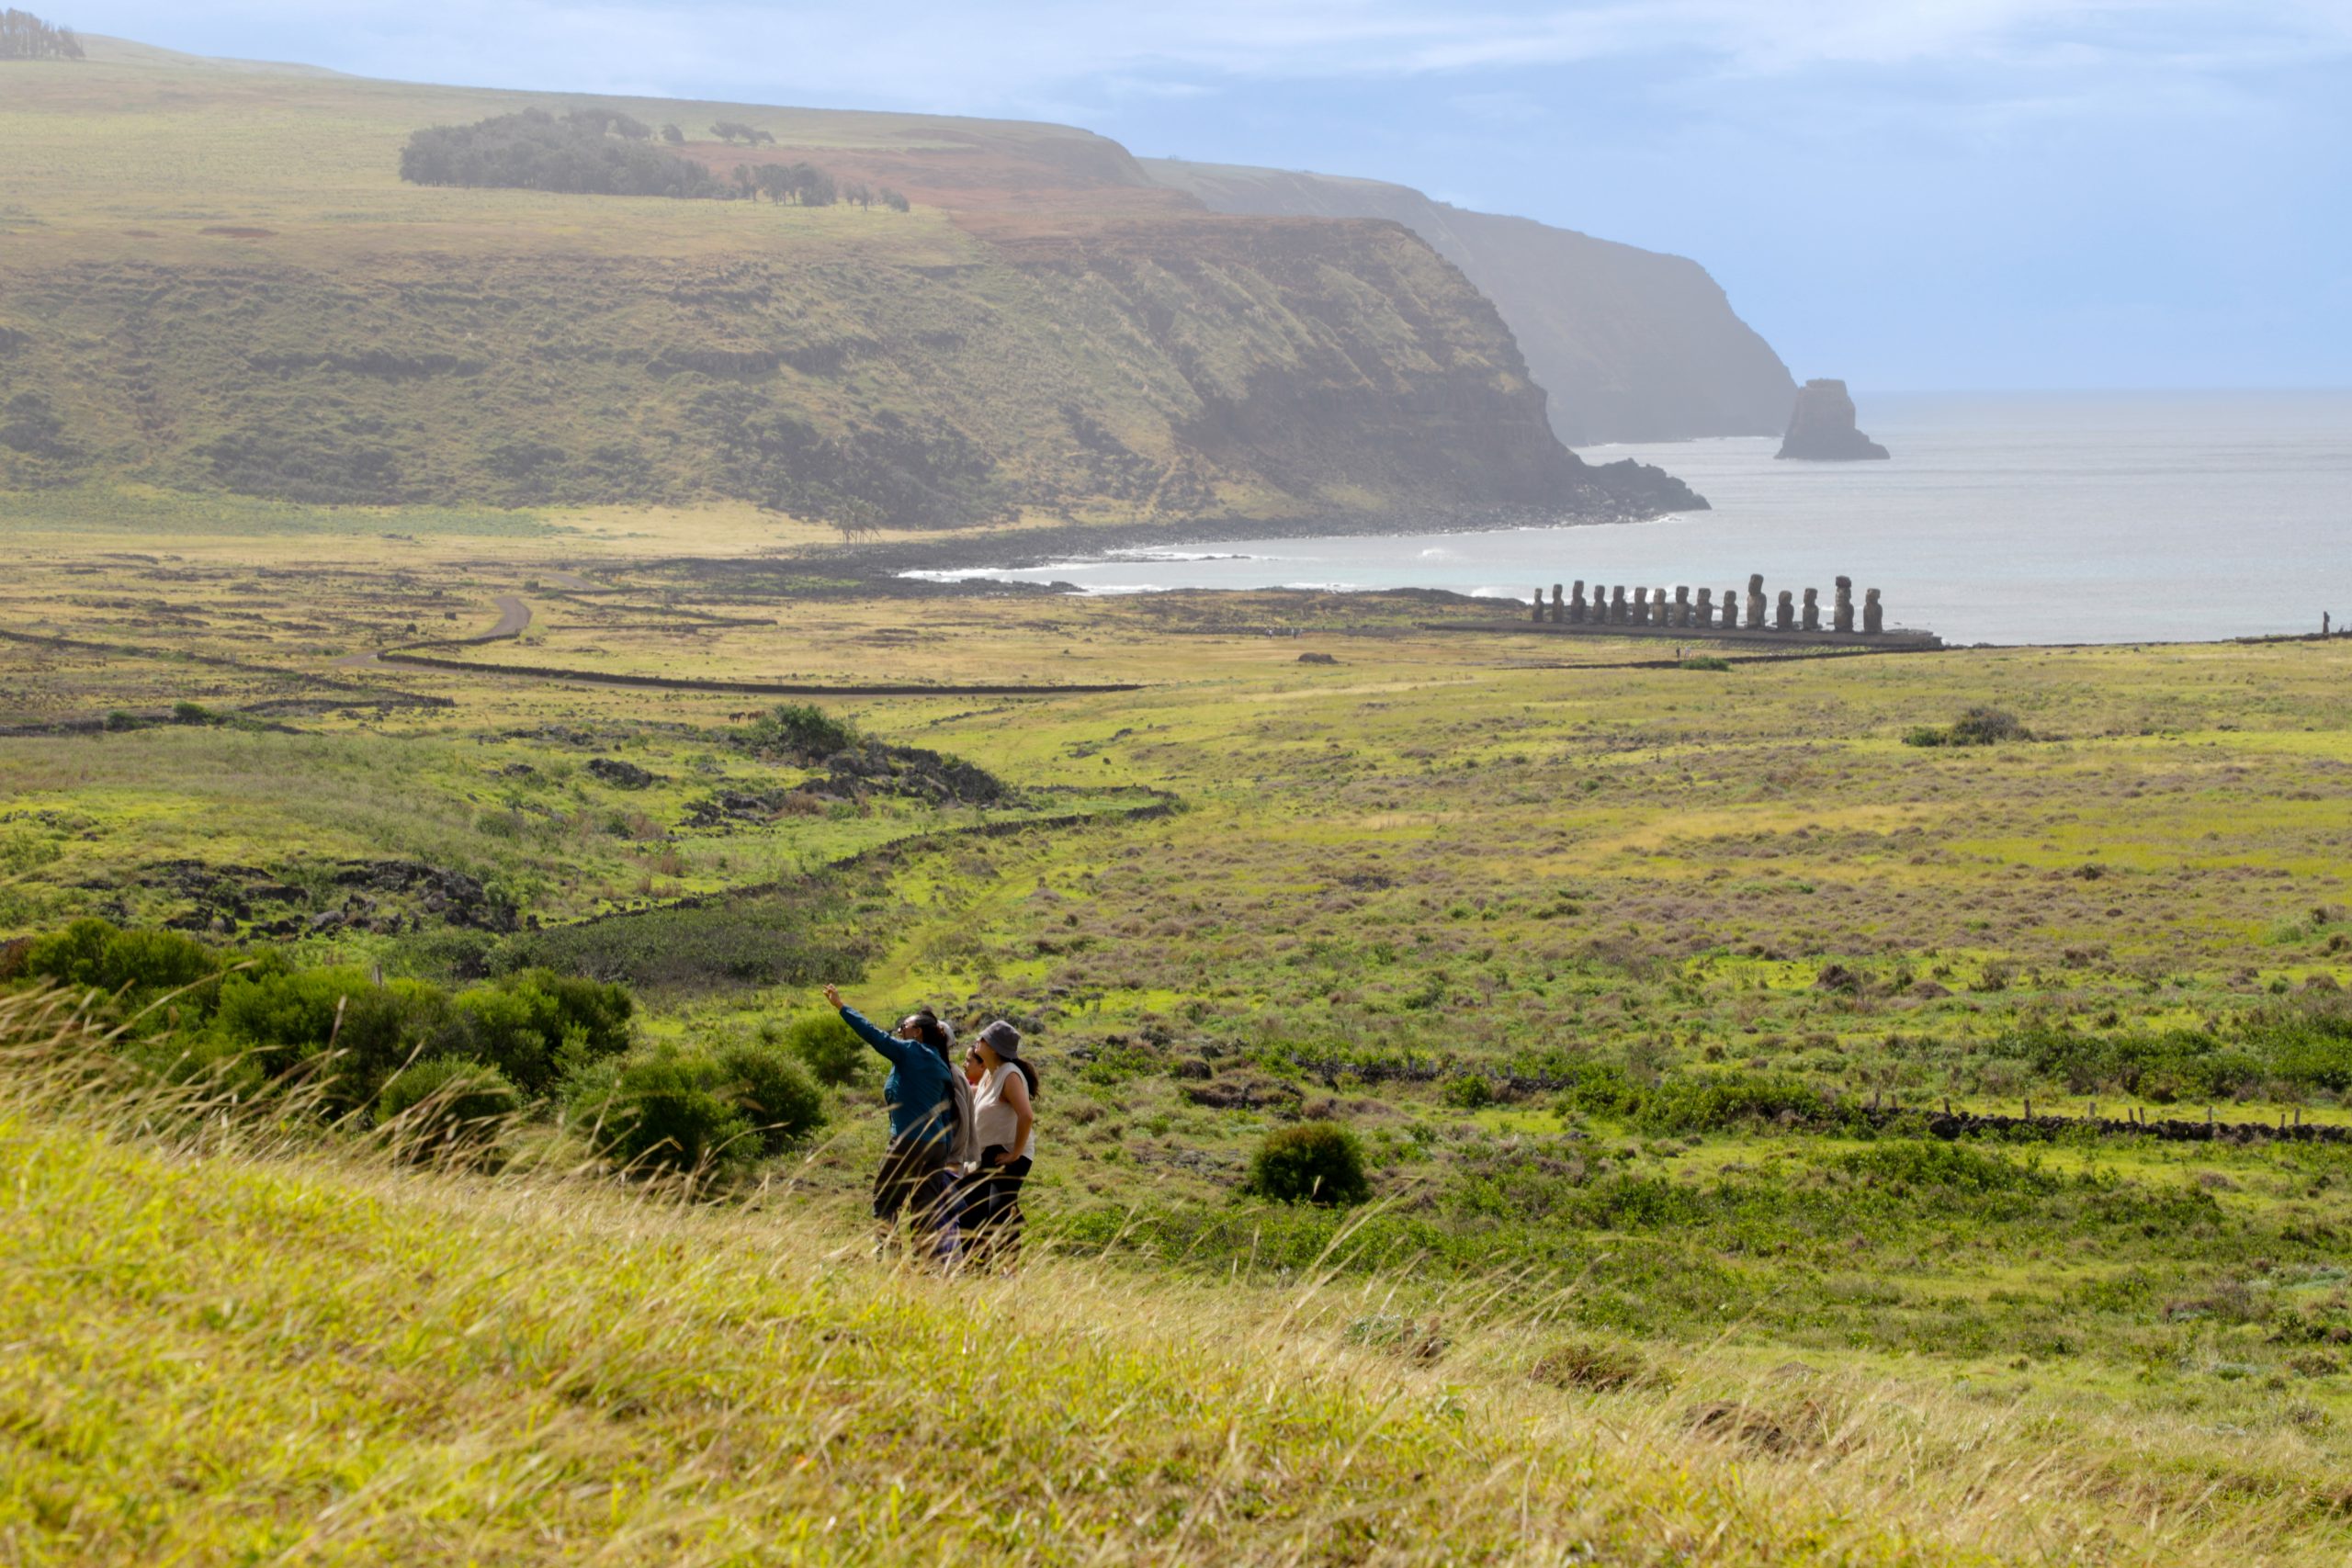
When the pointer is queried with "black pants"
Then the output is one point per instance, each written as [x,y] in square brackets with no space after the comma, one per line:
[992,1205]
[911,1179]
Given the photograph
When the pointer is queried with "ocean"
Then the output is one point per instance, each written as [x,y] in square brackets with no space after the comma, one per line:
[2006,518]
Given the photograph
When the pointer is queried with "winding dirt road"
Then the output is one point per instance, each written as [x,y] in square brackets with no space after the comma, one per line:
[513,619]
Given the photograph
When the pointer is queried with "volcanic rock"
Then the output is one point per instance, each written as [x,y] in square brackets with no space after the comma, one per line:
[1821,428]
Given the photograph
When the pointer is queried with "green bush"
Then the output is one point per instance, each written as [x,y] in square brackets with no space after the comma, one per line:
[1710,1103]
[766,1086]
[826,1047]
[536,1025]
[799,732]
[1470,1091]
[661,1110]
[1314,1162]
[292,1018]
[93,951]
[1915,1163]
[223,1067]
[1704,661]
[1975,726]
[449,1096]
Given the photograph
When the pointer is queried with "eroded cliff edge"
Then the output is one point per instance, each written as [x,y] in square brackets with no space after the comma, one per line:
[1631,345]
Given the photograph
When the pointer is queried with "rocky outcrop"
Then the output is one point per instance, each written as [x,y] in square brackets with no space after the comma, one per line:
[1629,344]
[1822,427]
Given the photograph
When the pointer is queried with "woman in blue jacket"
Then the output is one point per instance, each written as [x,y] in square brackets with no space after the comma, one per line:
[913,1177]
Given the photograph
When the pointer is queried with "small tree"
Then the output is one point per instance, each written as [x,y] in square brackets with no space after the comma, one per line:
[673,136]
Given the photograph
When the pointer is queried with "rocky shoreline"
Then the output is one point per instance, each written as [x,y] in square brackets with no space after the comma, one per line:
[882,564]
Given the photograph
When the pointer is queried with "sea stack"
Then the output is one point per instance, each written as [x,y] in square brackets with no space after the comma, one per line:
[1822,426]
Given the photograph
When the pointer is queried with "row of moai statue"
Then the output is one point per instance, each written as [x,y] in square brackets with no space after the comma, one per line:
[1650,607]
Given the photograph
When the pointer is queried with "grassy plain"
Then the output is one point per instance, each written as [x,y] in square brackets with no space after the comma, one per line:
[1485,854]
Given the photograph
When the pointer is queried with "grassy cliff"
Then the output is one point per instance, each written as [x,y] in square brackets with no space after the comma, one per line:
[215,280]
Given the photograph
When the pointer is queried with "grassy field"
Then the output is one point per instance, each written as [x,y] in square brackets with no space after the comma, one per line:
[1605,960]
[522,1370]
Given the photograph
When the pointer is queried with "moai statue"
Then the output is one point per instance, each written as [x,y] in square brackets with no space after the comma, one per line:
[1643,608]
[1731,609]
[1559,607]
[1617,606]
[1539,605]
[1756,600]
[1787,619]
[1660,615]
[1844,620]
[1812,609]
[1575,604]
[1682,605]
[1702,614]
[1873,618]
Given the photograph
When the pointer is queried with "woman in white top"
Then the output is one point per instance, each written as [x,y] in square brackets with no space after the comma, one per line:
[1004,1123]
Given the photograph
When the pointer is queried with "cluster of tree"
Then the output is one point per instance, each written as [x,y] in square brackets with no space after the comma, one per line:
[24,36]
[802,183]
[808,186]
[591,151]
[733,130]
[602,151]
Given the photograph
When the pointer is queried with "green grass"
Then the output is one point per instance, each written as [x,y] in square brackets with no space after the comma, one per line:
[230,1354]
[1712,905]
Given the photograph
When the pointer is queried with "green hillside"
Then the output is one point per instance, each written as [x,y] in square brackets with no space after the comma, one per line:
[215,280]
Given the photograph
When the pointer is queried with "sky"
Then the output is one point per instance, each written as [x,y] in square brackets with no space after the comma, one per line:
[1938,193]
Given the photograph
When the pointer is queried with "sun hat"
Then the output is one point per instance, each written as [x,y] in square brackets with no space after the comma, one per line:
[1003,1039]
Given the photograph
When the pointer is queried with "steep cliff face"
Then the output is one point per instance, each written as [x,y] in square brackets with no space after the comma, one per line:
[1822,427]
[1631,345]
[1046,332]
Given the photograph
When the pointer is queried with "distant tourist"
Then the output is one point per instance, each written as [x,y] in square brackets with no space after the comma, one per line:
[1004,1125]
[915,1178]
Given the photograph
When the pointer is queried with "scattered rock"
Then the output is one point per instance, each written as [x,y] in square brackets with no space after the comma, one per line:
[1317,658]
[621,774]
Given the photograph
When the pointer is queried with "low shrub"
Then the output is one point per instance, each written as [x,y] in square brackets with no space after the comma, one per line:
[825,1046]
[96,952]
[770,1088]
[536,1026]
[1975,726]
[1470,1091]
[659,1111]
[1315,1162]
[691,1110]
[797,732]
[448,1098]
[1704,661]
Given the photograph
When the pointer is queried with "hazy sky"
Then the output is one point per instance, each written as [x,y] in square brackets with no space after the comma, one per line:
[1947,193]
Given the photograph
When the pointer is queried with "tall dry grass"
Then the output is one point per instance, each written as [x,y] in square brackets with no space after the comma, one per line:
[228,1334]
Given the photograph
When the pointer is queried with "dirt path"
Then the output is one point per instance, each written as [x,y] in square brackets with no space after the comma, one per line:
[513,619]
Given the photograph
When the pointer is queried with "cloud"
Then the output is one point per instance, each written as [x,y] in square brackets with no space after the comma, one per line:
[944,53]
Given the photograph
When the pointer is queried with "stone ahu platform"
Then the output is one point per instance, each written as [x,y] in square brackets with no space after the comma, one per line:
[1650,612]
